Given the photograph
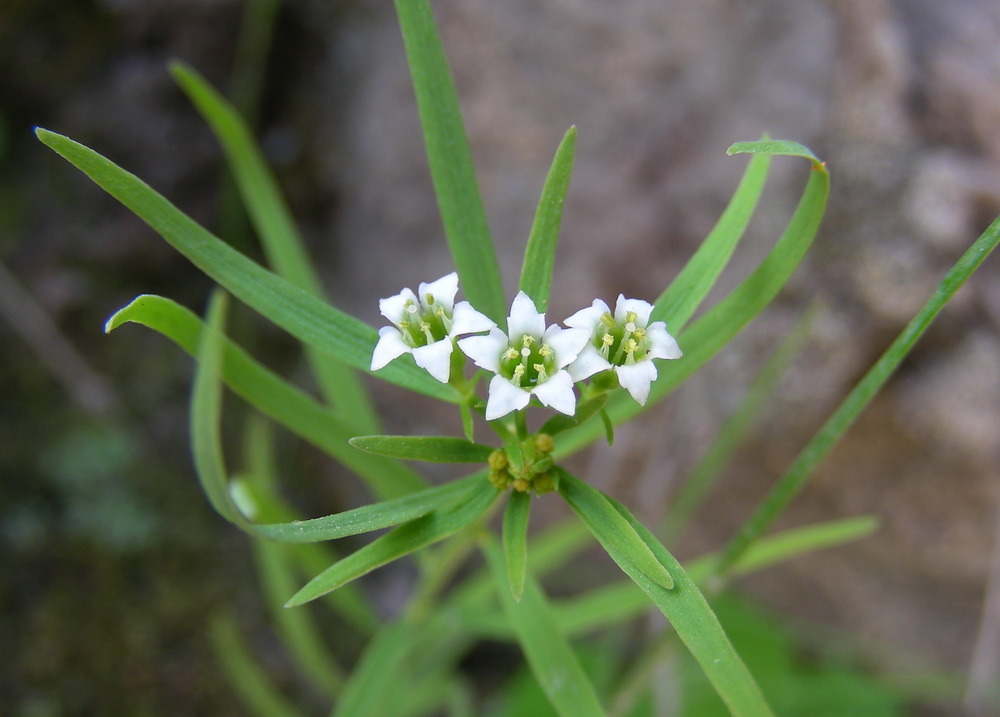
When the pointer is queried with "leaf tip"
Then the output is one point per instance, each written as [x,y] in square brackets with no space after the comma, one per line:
[45,136]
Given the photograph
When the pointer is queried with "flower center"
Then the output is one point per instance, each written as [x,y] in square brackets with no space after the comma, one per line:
[527,362]
[424,323]
[621,344]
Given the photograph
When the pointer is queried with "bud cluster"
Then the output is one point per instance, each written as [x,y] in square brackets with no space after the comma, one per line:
[525,466]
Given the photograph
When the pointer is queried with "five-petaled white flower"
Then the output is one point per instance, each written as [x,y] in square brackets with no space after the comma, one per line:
[625,342]
[529,360]
[425,325]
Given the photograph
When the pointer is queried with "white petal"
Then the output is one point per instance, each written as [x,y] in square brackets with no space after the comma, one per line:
[662,344]
[504,398]
[566,343]
[641,309]
[636,379]
[392,308]
[443,290]
[588,318]
[587,364]
[435,358]
[466,320]
[390,346]
[485,350]
[524,318]
[557,393]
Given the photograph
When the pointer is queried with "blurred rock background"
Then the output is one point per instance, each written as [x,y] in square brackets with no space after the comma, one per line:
[114,559]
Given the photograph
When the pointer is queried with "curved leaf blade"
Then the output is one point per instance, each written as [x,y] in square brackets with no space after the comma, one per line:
[697,626]
[279,236]
[272,395]
[710,333]
[690,287]
[304,316]
[615,533]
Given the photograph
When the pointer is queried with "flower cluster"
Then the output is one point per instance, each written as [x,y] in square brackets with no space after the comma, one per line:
[529,359]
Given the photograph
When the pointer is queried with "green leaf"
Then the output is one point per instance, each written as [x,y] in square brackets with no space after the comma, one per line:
[299,632]
[271,218]
[206,415]
[372,517]
[206,444]
[302,315]
[271,395]
[609,426]
[450,160]
[250,680]
[401,541]
[612,530]
[261,484]
[378,673]
[584,412]
[432,449]
[623,600]
[540,254]
[515,540]
[791,482]
[773,147]
[709,334]
[689,288]
[549,655]
[684,606]
[733,433]
[789,544]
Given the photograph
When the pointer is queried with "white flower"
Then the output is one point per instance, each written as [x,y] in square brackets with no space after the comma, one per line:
[425,325]
[625,342]
[529,360]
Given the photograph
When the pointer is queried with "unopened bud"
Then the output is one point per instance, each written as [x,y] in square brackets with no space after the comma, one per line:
[500,479]
[543,483]
[497,460]
[544,443]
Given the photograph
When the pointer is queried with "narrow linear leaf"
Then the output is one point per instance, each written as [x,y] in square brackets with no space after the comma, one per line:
[791,482]
[432,449]
[304,316]
[299,632]
[615,533]
[685,607]
[281,240]
[550,657]
[401,541]
[690,287]
[584,412]
[515,540]
[774,147]
[450,160]
[734,431]
[262,487]
[790,544]
[272,395]
[248,678]
[382,668]
[710,333]
[206,409]
[540,254]
[624,600]
[369,518]
[206,415]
